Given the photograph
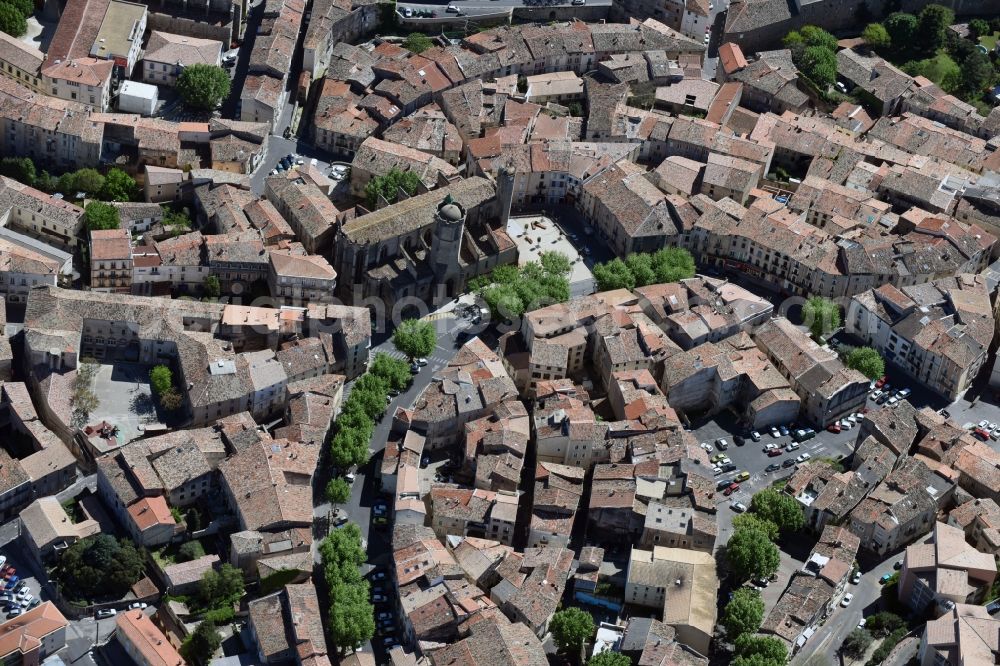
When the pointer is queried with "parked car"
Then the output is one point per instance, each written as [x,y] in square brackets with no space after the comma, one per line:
[773,467]
[105,613]
[729,467]
[743,476]
[379,599]
[774,452]
[792,446]
[733,487]
[897,565]
[834,428]
[14,613]
[722,444]
[885,579]
[738,440]
[856,576]
[803,458]
[788,463]
[738,507]
[754,435]
[783,430]
[722,485]
[377,575]
[34,603]
[775,433]
[803,434]
[846,601]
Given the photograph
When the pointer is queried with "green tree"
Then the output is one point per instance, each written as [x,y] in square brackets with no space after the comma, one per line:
[941,69]
[522,84]
[99,566]
[779,508]
[755,660]
[45,182]
[417,42]
[743,614]
[352,618]
[932,23]
[614,274]
[99,215]
[338,490]
[192,519]
[555,263]
[977,73]
[24,7]
[190,550]
[171,400]
[211,287]
[203,86]
[571,628]
[161,379]
[88,181]
[21,169]
[388,185]
[575,109]
[11,20]
[672,264]
[393,371]
[821,316]
[176,222]
[202,643]
[222,588]
[609,658]
[766,647]
[820,65]
[415,338]
[902,28]
[867,361]
[856,643]
[751,554]
[754,521]
[884,623]
[341,554]
[978,27]
[349,446]
[876,36]
[118,186]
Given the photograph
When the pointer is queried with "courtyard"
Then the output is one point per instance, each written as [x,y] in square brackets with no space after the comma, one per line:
[126,399]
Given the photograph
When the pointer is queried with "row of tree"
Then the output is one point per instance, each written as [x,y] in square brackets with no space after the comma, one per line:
[640,269]
[510,291]
[752,554]
[352,617]
[354,427]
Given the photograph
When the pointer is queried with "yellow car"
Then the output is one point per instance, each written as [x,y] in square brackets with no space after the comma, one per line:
[743,476]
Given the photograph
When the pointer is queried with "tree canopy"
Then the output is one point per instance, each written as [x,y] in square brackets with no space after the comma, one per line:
[754,521]
[12,21]
[867,361]
[821,316]
[393,371]
[571,628]
[766,647]
[876,36]
[161,379]
[978,27]
[856,643]
[222,588]
[21,169]
[211,287]
[814,53]
[88,181]
[415,338]
[902,28]
[388,185]
[751,554]
[352,618]
[118,186]
[190,550]
[932,23]
[779,508]
[199,646]
[338,490]
[510,291]
[743,614]
[609,658]
[417,42]
[99,215]
[99,566]
[202,86]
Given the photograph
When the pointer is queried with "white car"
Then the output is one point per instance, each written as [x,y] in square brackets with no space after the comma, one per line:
[892,401]
[983,423]
[754,435]
[407,12]
[792,446]
[716,470]
[846,601]
[769,446]
[876,394]
[725,460]
[708,447]
[804,457]
[738,507]
[137,606]
[775,433]
[862,622]
[452,9]
[905,393]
